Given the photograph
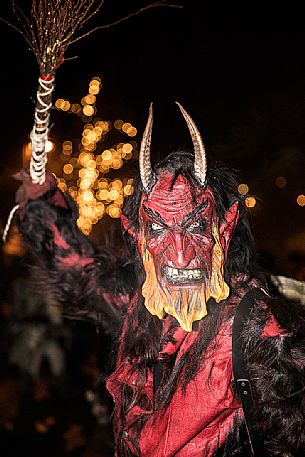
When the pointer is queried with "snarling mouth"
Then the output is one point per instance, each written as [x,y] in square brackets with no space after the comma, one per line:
[185,276]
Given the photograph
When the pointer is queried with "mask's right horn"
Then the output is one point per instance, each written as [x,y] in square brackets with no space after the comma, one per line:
[200,162]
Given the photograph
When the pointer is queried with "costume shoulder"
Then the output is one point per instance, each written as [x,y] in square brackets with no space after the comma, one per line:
[273,339]
[85,279]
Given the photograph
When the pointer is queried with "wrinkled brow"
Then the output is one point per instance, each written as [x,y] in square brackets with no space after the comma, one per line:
[154,215]
[157,216]
[194,213]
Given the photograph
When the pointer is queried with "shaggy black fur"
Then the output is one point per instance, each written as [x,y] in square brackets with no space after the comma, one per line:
[78,290]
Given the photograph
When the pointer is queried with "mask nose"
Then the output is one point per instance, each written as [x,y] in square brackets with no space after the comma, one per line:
[180,251]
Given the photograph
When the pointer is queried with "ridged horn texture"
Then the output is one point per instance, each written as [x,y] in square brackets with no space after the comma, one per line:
[200,163]
[146,172]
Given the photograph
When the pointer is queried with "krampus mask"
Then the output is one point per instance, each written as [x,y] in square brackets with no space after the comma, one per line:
[181,241]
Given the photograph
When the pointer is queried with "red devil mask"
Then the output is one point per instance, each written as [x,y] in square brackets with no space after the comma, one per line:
[182,244]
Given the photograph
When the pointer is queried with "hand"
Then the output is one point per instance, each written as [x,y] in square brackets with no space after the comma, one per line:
[29,191]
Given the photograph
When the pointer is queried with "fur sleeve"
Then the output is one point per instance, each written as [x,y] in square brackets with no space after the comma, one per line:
[274,342]
[83,278]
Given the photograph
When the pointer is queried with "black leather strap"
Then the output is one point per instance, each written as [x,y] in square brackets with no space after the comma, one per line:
[158,373]
[241,378]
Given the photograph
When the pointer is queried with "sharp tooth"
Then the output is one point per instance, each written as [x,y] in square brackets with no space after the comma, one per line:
[177,275]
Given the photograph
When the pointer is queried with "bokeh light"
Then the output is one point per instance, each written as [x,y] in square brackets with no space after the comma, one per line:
[280,181]
[301,200]
[85,164]
[243,189]
[250,202]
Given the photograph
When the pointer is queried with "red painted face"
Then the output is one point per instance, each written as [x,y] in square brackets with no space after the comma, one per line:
[183,248]
[177,225]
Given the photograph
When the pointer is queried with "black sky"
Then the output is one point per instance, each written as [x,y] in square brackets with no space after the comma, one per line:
[239,71]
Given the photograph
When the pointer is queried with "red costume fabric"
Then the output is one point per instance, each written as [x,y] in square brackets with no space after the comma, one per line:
[198,418]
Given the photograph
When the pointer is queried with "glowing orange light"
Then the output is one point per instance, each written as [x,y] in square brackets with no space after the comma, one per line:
[126,126]
[68,169]
[250,202]
[113,194]
[119,201]
[114,211]
[62,186]
[96,81]
[132,131]
[127,148]
[75,108]
[243,189]
[301,200]
[128,189]
[90,99]
[116,184]
[117,163]
[102,194]
[66,105]
[88,110]
[103,184]
[118,124]
[59,103]
[107,155]
[88,196]
[280,181]
[85,184]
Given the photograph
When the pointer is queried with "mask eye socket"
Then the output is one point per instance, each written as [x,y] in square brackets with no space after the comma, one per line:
[196,227]
[154,228]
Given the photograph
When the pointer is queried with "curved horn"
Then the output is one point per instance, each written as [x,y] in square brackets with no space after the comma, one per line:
[146,172]
[200,163]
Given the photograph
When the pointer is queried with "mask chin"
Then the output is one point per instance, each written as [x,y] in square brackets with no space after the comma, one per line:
[185,304]
[178,292]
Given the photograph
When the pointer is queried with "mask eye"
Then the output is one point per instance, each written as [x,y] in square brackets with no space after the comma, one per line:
[195,227]
[154,228]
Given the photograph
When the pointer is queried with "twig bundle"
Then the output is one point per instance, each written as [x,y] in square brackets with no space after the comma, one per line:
[52,26]
[50,29]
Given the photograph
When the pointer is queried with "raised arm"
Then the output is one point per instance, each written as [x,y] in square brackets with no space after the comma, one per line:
[84,279]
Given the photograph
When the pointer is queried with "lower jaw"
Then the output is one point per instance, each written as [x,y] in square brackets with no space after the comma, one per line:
[183,285]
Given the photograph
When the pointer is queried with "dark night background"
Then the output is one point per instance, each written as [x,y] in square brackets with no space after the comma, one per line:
[238,70]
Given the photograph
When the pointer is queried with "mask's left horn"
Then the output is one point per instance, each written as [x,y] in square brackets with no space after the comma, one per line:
[146,173]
